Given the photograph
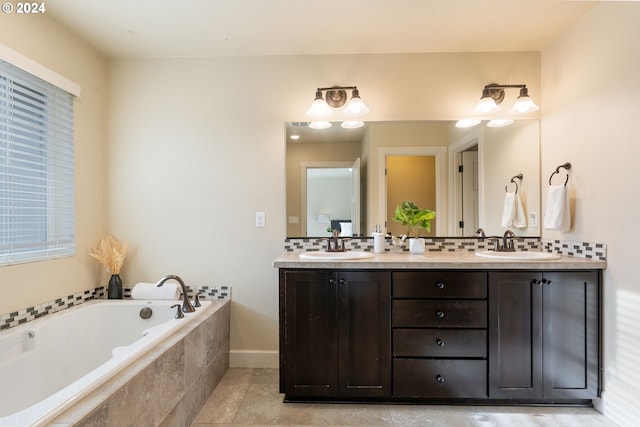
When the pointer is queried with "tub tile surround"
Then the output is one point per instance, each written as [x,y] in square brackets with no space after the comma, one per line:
[28,314]
[165,387]
[596,251]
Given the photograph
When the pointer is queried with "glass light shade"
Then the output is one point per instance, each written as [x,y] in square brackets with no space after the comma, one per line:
[320,125]
[523,105]
[352,124]
[487,105]
[319,109]
[498,123]
[467,123]
[356,107]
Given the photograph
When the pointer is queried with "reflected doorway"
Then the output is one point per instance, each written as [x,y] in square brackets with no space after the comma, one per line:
[410,178]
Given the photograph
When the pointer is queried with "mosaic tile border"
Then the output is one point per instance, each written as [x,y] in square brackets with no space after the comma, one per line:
[436,244]
[468,244]
[15,318]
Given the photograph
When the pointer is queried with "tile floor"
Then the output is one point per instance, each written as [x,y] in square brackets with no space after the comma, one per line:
[249,397]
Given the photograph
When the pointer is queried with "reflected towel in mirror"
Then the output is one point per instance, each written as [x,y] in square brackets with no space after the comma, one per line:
[513,213]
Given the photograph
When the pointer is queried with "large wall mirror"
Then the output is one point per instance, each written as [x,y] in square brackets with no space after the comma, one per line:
[352,179]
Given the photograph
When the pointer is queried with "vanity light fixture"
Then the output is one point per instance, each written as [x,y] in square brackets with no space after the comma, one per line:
[329,98]
[493,94]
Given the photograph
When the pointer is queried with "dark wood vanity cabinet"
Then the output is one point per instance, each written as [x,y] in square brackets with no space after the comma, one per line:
[504,336]
[335,334]
[544,335]
[439,322]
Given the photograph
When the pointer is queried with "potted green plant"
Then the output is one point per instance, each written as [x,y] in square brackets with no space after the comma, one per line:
[414,220]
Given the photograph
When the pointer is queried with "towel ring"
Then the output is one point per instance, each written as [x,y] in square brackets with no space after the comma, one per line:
[565,166]
[513,179]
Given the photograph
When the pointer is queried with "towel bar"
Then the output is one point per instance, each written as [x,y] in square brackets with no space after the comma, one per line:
[565,166]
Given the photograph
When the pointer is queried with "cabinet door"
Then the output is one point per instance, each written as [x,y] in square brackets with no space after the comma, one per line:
[515,338]
[364,334]
[309,362]
[570,334]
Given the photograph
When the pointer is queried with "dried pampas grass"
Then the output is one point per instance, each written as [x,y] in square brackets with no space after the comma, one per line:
[110,253]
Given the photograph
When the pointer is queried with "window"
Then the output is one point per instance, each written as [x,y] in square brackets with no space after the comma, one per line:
[37,212]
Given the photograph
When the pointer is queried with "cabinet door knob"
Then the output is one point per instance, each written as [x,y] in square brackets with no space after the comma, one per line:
[332,281]
[440,379]
[439,342]
[440,285]
[440,314]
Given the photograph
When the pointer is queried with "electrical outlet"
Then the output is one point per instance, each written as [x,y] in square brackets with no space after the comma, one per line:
[533,219]
[260,219]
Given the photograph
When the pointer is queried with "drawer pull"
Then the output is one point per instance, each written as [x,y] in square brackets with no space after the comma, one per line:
[440,285]
[439,342]
[440,314]
[440,379]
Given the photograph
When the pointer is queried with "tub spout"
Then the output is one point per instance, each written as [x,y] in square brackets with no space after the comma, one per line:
[186,304]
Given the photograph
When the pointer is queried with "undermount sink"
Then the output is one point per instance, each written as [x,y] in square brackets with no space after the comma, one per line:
[519,256]
[336,255]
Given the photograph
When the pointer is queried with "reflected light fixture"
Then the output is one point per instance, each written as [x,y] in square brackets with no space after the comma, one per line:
[467,123]
[329,98]
[493,95]
[320,125]
[499,123]
[352,124]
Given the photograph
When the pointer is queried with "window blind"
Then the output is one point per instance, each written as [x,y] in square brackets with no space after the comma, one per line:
[37,201]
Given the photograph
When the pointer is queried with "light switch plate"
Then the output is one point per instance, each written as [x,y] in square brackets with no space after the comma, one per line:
[260,219]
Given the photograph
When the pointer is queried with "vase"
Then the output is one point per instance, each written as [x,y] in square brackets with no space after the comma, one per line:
[416,246]
[114,290]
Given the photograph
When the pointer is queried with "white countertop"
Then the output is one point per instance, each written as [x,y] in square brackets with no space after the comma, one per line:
[438,260]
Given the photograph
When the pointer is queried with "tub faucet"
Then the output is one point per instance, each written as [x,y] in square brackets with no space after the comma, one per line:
[186,304]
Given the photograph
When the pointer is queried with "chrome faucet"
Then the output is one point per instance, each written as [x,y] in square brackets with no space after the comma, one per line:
[186,304]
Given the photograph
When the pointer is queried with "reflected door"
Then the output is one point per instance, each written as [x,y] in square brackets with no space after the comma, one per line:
[410,178]
[470,209]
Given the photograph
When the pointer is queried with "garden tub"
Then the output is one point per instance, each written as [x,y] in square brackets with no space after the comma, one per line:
[50,363]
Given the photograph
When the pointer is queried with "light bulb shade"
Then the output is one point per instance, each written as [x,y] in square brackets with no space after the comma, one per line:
[352,124]
[320,125]
[319,109]
[498,123]
[467,123]
[356,107]
[487,105]
[523,105]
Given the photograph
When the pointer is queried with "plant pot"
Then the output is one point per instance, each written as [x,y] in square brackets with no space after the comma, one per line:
[416,246]
[114,290]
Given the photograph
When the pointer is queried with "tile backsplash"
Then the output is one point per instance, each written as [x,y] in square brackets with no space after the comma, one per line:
[19,317]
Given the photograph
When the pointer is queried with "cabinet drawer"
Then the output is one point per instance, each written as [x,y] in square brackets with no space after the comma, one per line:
[439,343]
[439,284]
[440,313]
[440,378]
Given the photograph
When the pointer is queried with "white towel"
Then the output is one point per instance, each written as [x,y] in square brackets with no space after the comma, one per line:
[520,219]
[513,212]
[150,291]
[508,210]
[556,213]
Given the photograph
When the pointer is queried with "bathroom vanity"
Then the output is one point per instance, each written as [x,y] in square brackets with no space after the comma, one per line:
[440,328]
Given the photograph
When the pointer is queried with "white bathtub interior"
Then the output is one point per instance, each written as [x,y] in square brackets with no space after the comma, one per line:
[95,340]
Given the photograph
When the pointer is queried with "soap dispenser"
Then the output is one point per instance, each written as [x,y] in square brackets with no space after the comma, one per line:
[378,241]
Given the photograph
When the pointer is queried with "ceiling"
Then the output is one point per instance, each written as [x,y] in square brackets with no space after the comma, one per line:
[211,28]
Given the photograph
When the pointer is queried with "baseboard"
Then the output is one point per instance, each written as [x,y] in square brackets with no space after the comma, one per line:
[253,359]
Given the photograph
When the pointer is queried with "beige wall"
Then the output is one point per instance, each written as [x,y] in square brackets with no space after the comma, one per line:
[591,87]
[196,147]
[43,41]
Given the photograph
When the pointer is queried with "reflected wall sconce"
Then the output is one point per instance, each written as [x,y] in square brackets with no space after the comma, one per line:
[329,98]
[493,95]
